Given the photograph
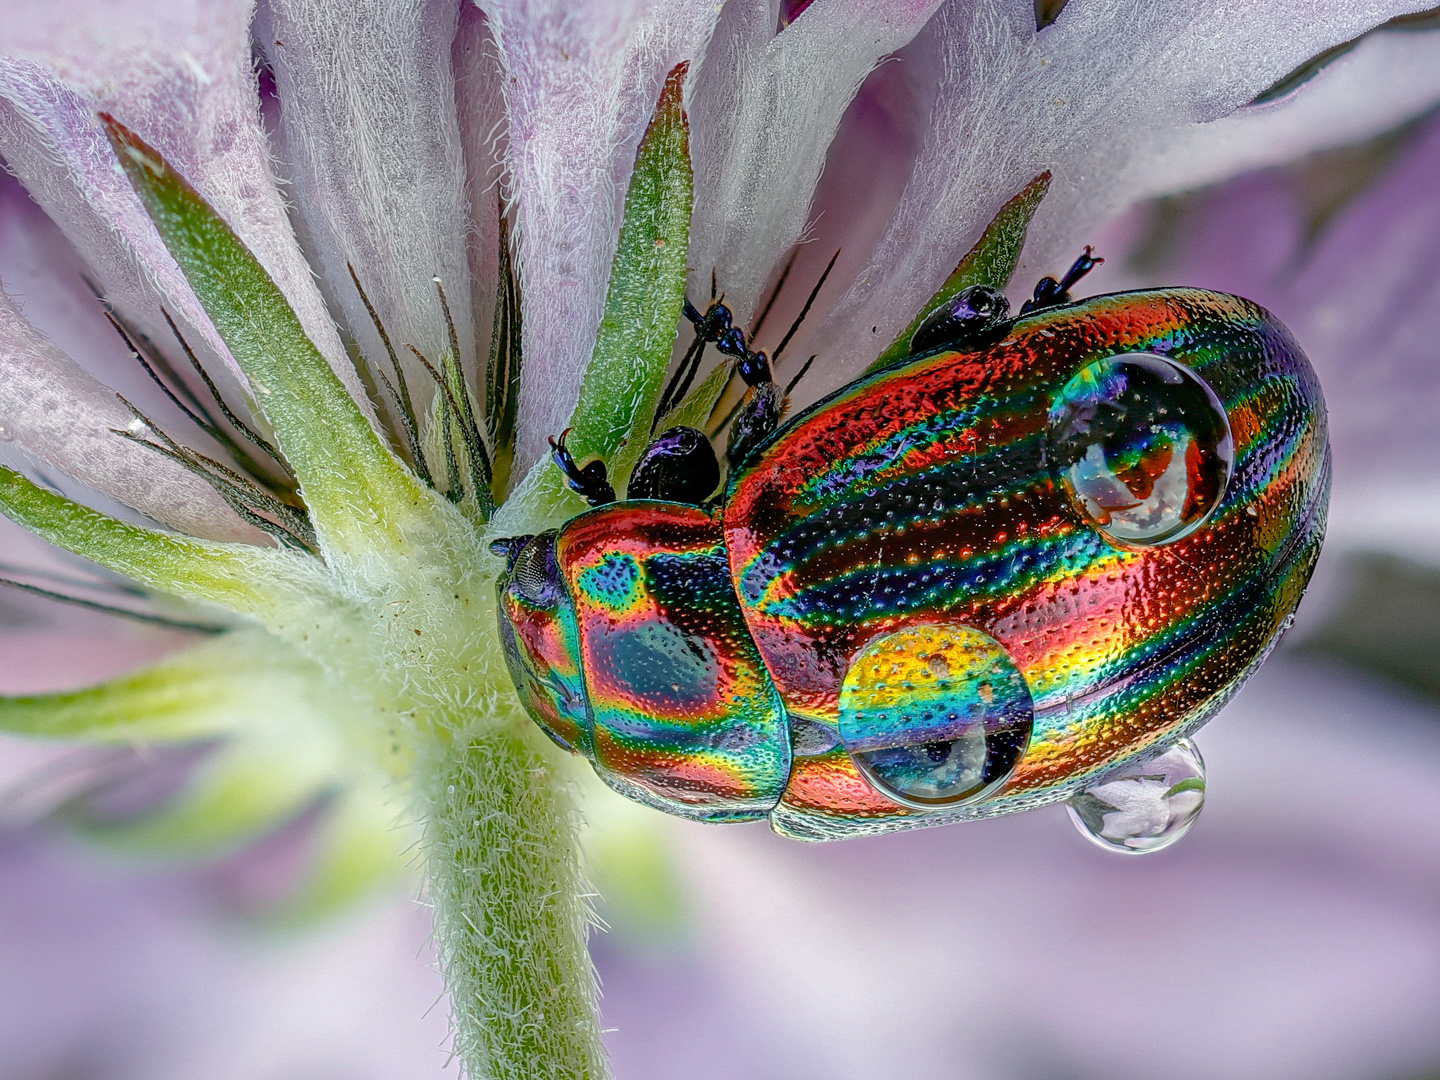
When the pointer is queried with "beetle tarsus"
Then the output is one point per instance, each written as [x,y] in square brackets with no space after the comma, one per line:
[591,482]
[1051,293]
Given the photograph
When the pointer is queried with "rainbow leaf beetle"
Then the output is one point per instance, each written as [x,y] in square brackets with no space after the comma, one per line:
[1026,555]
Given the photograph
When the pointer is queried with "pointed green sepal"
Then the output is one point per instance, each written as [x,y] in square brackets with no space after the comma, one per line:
[353,485]
[637,333]
[990,262]
[215,688]
[263,582]
[647,290]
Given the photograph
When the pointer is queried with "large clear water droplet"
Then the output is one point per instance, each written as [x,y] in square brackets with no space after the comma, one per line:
[1143,447]
[935,715]
[1148,806]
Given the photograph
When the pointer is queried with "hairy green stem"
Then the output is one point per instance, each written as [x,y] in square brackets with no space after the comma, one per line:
[511,915]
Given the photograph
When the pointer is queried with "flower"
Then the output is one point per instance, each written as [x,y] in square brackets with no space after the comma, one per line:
[289,229]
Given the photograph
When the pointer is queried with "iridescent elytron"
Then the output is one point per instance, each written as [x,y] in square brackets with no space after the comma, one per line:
[973,582]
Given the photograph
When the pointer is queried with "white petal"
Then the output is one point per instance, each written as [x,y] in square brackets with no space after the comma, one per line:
[1389,78]
[61,416]
[179,72]
[369,135]
[765,108]
[583,82]
[480,105]
[1094,97]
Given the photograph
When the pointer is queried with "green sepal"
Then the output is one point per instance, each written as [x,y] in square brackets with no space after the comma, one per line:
[637,333]
[353,485]
[251,580]
[646,293]
[213,689]
[990,262]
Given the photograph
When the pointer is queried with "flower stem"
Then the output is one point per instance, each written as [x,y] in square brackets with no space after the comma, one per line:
[511,917]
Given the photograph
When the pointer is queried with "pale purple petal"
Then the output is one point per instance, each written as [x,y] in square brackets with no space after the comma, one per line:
[764,108]
[480,108]
[372,150]
[583,82]
[1389,78]
[1096,97]
[179,73]
[61,416]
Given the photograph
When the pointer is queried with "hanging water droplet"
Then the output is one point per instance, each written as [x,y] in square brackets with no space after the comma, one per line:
[1148,806]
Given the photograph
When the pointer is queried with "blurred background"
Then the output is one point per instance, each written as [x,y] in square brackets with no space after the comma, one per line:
[1294,933]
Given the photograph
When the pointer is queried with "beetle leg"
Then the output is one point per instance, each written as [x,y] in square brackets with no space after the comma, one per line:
[1051,293]
[759,416]
[591,482]
[679,466]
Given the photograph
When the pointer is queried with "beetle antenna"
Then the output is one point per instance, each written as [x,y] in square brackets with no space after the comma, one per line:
[775,356]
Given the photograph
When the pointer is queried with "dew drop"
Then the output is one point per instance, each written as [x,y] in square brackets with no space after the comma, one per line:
[1143,446]
[1148,806]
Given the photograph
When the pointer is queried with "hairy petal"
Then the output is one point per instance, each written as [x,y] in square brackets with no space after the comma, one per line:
[765,109]
[180,72]
[480,112]
[583,80]
[1095,97]
[1389,78]
[59,415]
[369,135]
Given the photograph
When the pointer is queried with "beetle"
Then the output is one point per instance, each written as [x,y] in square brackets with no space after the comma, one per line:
[1034,551]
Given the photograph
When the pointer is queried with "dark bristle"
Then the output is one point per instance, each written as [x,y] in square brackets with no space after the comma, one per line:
[246,432]
[502,370]
[775,357]
[403,402]
[679,384]
[451,412]
[759,323]
[240,492]
[113,609]
[800,375]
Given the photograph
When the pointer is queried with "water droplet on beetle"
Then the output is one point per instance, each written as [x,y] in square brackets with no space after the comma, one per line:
[1143,447]
[932,743]
[1146,807]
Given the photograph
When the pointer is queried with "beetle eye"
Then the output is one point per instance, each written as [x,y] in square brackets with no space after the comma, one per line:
[535,576]
[935,716]
[1142,447]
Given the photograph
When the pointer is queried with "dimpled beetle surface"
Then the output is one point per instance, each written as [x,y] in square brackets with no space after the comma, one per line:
[1026,556]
